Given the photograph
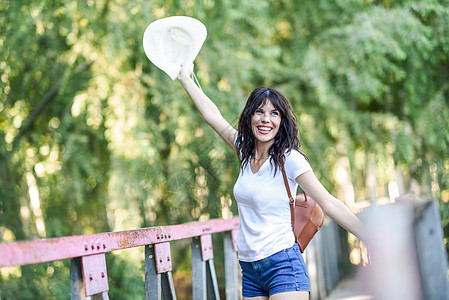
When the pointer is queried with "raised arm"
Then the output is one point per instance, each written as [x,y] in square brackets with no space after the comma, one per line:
[207,109]
[333,207]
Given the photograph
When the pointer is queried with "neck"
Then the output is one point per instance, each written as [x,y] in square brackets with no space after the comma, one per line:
[261,151]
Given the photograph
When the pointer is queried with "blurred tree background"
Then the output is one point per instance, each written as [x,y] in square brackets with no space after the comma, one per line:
[95,138]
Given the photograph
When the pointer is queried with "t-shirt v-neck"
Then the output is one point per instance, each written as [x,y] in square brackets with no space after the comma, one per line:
[261,166]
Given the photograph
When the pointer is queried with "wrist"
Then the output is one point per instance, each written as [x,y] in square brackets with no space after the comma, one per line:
[184,79]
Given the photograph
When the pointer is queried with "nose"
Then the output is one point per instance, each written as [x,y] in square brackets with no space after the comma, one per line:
[265,117]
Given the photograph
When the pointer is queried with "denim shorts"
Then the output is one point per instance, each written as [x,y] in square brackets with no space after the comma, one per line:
[284,271]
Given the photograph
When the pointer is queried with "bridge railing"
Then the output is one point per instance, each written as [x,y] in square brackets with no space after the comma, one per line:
[408,256]
[89,277]
[406,259]
[88,271]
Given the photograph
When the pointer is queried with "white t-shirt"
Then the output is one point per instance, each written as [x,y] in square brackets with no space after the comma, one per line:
[265,220]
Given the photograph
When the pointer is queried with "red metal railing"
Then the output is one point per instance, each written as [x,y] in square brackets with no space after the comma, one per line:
[88,266]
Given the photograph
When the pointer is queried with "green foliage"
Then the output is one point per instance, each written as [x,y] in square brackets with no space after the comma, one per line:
[38,282]
[111,143]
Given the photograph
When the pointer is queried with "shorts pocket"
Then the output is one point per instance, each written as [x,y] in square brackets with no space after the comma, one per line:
[298,263]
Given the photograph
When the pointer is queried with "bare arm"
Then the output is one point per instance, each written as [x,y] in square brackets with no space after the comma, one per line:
[333,207]
[208,109]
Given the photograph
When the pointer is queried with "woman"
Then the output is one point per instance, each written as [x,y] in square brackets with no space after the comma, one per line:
[271,262]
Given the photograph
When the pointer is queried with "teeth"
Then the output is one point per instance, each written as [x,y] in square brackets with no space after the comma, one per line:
[264,129]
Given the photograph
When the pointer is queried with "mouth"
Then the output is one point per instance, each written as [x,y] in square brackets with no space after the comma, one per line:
[264,129]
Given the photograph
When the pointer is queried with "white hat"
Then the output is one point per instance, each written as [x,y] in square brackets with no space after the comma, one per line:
[173,41]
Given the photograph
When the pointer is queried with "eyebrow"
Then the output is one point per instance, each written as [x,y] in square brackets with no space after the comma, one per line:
[273,110]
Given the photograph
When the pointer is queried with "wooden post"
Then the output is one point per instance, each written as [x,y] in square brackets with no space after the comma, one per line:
[329,256]
[77,291]
[231,267]
[394,271]
[332,253]
[152,279]
[207,255]
[168,287]
[312,267]
[326,250]
[204,280]
[99,296]
[95,276]
[212,284]
[431,252]
[198,271]
[158,277]
[321,290]
[76,280]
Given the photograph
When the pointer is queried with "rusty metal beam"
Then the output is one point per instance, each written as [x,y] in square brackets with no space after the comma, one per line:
[46,250]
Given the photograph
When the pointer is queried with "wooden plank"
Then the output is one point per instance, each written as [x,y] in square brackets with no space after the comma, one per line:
[207,251]
[95,276]
[163,257]
[46,250]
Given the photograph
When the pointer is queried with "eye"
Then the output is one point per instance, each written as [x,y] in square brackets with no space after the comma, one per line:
[258,112]
[275,113]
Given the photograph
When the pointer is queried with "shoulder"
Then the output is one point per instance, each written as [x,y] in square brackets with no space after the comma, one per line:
[293,154]
[296,160]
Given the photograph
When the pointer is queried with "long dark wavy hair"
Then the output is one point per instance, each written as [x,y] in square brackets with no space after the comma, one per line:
[287,136]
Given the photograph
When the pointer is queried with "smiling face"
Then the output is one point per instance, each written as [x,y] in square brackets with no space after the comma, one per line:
[265,122]
[267,126]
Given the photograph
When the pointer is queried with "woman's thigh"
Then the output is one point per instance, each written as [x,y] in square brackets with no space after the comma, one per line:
[295,295]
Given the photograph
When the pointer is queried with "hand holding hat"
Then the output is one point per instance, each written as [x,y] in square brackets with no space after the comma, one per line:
[173,42]
[186,71]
